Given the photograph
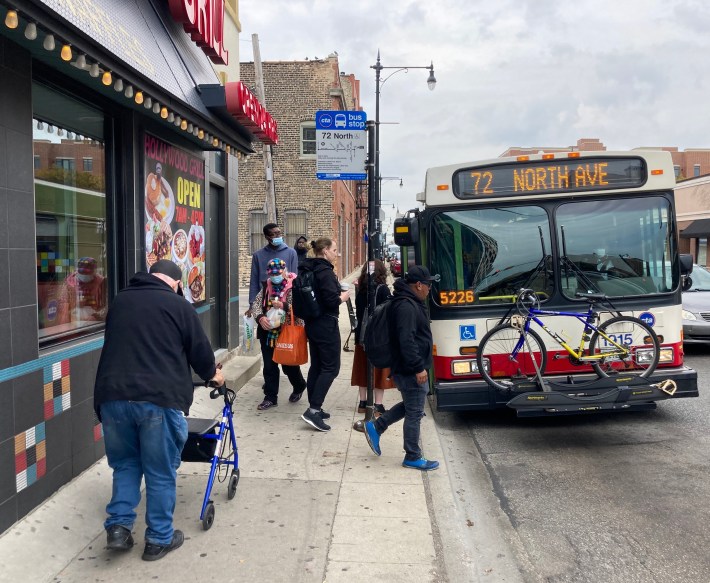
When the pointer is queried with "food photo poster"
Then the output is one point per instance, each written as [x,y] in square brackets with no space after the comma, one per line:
[175,212]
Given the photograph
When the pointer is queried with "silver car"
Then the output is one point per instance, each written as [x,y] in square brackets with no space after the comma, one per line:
[696,308]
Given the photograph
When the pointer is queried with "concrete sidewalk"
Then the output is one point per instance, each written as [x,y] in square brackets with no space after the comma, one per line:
[309,506]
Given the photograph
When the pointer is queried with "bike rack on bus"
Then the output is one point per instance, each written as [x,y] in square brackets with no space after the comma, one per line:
[614,393]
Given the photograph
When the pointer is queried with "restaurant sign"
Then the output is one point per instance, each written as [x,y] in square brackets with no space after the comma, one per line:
[203,20]
[246,108]
[175,212]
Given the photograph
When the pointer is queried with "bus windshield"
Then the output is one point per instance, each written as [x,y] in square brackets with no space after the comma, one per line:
[620,247]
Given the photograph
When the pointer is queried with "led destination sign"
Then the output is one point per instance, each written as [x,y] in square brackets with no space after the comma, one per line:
[548,176]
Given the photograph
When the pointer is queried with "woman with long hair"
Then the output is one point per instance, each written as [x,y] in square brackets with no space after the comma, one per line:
[323,332]
[379,292]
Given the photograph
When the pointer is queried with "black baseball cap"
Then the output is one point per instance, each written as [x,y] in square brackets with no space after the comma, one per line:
[420,273]
[167,267]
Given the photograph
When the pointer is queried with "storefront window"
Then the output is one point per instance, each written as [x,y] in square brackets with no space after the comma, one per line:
[70,207]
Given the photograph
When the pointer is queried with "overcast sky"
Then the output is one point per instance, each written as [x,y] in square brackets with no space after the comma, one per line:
[510,72]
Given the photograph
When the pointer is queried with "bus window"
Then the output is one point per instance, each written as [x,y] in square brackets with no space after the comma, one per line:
[616,247]
[493,252]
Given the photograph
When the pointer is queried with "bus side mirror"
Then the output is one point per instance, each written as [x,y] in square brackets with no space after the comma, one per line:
[686,264]
[687,283]
[406,231]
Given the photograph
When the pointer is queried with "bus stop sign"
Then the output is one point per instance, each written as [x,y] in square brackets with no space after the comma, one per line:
[341,145]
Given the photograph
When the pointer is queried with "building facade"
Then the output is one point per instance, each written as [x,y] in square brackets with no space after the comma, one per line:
[692,201]
[294,91]
[118,147]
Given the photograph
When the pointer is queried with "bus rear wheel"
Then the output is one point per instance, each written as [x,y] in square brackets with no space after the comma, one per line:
[499,368]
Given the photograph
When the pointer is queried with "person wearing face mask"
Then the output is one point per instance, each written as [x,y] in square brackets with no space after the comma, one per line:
[83,295]
[323,332]
[275,293]
[274,249]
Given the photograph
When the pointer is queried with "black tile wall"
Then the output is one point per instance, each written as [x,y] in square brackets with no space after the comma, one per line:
[33,496]
[83,373]
[82,425]
[20,160]
[21,231]
[5,339]
[28,394]
[7,473]
[23,327]
[23,276]
[4,274]
[58,435]
[81,460]
[7,416]
[17,60]
[8,514]
[17,107]
[3,192]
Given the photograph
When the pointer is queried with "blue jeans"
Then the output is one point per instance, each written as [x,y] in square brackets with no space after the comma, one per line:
[143,440]
[411,409]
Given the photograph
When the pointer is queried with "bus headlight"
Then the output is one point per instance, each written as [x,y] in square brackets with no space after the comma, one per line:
[645,355]
[465,367]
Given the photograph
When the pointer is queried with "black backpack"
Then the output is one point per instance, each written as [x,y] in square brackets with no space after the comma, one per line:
[305,305]
[366,317]
[378,337]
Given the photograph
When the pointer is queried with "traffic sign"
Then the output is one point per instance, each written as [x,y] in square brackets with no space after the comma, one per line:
[341,145]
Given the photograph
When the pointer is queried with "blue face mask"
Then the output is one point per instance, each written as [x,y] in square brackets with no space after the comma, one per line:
[276,241]
[277,279]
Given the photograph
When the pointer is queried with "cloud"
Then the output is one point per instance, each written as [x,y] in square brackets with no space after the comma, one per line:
[510,72]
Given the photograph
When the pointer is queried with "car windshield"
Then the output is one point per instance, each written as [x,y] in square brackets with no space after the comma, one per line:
[701,279]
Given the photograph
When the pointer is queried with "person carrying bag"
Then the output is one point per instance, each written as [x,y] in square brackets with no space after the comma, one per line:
[291,345]
[275,297]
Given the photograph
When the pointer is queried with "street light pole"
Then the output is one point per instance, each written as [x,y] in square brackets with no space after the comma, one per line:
[374,185]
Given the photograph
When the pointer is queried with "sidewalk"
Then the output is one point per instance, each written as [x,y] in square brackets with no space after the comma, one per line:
[309,506]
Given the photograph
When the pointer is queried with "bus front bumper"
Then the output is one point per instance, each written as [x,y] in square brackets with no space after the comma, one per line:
[477,395]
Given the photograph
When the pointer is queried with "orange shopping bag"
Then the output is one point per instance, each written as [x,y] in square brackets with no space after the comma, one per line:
[291,345]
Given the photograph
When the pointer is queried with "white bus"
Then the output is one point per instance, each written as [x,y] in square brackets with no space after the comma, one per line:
[597,223]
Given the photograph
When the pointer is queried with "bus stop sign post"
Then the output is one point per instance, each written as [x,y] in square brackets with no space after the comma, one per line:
[372,240]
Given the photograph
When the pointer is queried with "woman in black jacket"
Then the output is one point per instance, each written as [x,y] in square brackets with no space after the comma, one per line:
[379,292]
[323,332]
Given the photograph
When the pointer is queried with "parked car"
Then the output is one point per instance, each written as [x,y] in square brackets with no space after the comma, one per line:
[696,308]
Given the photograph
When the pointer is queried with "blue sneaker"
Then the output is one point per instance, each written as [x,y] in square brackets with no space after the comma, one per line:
[373,438]
[421,464]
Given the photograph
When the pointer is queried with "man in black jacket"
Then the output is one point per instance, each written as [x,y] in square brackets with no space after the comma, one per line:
[412,357]
[142,393]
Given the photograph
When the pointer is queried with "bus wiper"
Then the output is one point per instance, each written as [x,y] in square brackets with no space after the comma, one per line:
[570,265]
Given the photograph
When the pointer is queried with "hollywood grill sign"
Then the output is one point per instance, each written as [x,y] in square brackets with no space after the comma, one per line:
[203,20]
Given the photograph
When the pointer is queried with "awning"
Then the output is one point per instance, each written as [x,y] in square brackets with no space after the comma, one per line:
[698,228]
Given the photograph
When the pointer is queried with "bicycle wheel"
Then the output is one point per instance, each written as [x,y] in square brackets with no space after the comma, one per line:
[498,367]
[638,336]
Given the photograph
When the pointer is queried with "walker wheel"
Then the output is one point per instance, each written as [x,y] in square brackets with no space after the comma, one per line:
[208,520]
[232,486]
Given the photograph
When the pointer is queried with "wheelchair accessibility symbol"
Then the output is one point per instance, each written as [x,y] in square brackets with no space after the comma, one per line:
[467,332]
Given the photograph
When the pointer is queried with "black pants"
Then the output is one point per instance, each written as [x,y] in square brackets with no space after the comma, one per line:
[271,373]
[324,346]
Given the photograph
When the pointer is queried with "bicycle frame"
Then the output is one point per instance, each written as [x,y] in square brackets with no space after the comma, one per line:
[587,319]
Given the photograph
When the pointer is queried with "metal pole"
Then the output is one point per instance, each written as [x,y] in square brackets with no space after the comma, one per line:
[377,180]
[371,228]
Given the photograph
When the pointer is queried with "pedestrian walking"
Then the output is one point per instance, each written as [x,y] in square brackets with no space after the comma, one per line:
[379,292]
[275,295]
[323,332]
[275,248]
[412,357]
[142,393]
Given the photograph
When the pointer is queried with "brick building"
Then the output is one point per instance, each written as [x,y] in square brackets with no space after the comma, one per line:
[294,91]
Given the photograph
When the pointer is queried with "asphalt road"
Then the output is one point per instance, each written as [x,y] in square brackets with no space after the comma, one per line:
[606,498]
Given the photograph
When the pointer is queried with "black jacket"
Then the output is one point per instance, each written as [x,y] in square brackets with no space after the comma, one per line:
[411,331]
[153,336]
[327,286]
[383,292]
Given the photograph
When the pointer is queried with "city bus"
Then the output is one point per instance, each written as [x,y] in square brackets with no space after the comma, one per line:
[568,226]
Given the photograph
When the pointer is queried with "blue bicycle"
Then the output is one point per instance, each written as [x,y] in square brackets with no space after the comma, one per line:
[513,353]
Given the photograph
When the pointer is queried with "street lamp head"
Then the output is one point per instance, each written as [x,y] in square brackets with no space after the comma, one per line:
[401,184]
[431,81]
